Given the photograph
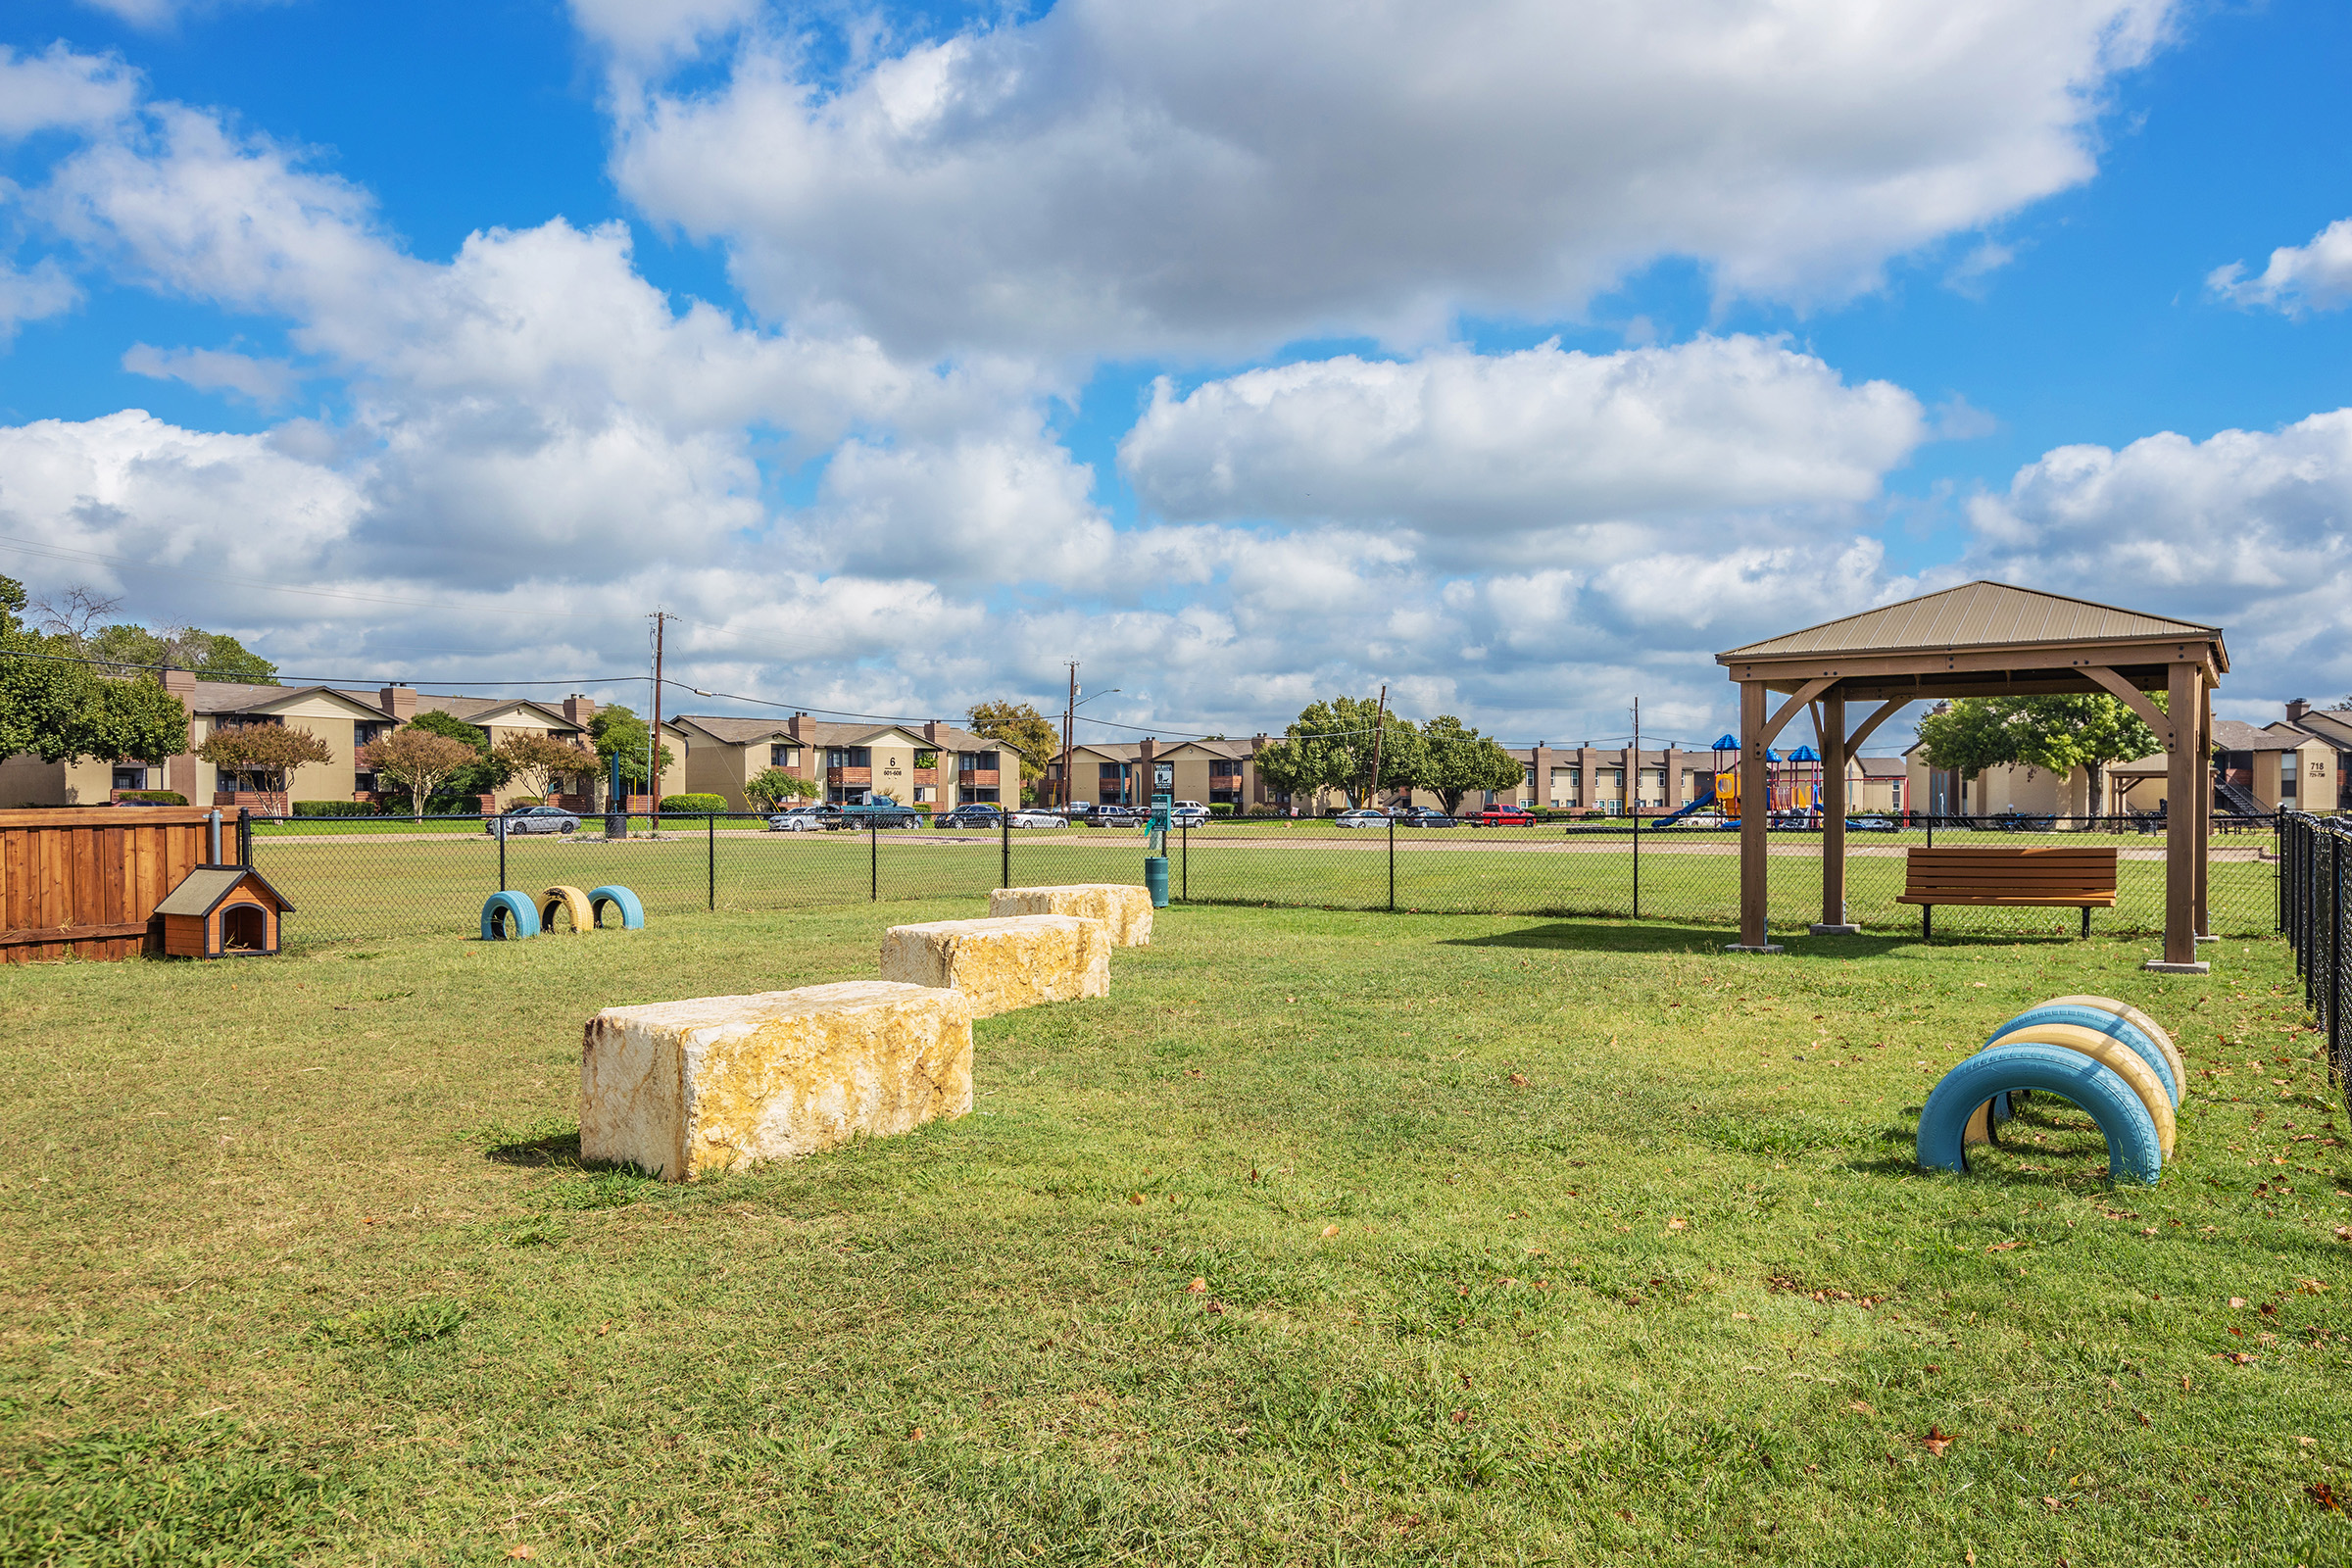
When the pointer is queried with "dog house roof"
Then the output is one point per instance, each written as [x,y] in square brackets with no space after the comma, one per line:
[201,891]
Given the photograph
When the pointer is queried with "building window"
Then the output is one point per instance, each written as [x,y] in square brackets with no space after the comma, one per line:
[926,760]
[849,756]
[130,777]
[968,761]
[783,756]
[1110,783]
[988,795]
[2287,766]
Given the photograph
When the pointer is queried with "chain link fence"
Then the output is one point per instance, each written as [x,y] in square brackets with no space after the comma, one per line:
[2315,874]
[355,878]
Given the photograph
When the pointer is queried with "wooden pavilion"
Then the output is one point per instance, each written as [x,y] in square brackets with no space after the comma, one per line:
[1984,639]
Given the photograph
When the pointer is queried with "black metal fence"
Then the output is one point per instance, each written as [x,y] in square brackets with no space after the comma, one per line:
[2315,872]
[354,878]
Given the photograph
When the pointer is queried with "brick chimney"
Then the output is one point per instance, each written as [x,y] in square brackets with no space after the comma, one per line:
[792,726]
[2295,709]
[398,700]
[179,771]
[931,730]
[578,709]
[1143,752]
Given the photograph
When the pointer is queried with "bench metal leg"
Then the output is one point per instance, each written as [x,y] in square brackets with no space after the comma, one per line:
[1927,922]
[2086,919]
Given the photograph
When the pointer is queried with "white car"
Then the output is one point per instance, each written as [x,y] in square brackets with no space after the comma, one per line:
[1361,818]
[1036,819]
[1188,811]
[803,819]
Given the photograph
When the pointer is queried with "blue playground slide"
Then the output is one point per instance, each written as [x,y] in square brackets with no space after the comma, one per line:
[1699,804]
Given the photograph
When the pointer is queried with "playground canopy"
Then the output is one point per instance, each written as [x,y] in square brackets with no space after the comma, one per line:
[1982,639]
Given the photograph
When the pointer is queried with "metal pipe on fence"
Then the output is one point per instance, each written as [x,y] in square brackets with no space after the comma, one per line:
[873,853]
[1005,847]
[244,836]
[1184,862]
[211,837]
[1393,859]
[502,855]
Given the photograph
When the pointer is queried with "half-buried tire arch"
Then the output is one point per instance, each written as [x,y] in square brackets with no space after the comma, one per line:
[2135,1152]
[571,901]
[2099,1021]
[2147,1026]
[508,917]
[622,903]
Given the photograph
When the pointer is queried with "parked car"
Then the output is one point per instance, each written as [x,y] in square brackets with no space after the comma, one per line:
[1424,817]
[1039,820]
[878,813]
[976,814]
[1188,811]
[804,819]
[1501,815]
[1116,815]
[1868,824]
[1361,818]
[517,821]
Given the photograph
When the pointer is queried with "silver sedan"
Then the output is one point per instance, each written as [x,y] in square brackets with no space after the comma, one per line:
[1037,819]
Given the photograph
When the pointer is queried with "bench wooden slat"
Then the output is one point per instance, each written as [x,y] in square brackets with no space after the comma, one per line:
[2012,876]
[2098,900]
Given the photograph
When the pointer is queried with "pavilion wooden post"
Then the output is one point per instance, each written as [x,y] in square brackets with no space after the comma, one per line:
[2204,803]
[2181,849]
[1756,807]
[1832,734]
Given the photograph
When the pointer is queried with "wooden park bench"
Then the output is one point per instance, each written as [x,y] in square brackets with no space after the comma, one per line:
[2010,876]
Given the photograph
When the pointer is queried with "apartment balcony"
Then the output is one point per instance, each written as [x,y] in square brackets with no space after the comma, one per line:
[850,777]
[985,778]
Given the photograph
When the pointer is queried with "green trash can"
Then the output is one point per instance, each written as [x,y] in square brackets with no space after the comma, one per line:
[1155,879]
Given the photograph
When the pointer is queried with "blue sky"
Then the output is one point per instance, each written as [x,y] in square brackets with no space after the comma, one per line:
[1519,360]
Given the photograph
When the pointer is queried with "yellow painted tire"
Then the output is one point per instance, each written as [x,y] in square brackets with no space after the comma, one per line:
[2113,1054]
[571,900]
[2147,1026]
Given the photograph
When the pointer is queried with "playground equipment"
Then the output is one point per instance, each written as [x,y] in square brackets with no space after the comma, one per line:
[2100,1054]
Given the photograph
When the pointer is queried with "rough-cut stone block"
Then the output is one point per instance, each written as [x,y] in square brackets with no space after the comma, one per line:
[1125,910]
[1000,965]
[709,1084]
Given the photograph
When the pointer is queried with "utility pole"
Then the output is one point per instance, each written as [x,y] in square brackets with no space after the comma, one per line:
[653,740]
[1636,803]
[1070,717]
[1379,733]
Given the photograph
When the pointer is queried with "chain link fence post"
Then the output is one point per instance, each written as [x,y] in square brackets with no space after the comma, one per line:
[873,857]
[1003,848]
[710,841]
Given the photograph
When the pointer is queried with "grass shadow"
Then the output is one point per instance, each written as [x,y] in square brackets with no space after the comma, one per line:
[554,1152]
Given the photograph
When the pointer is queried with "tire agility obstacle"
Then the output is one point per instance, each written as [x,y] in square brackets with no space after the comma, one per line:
[2135,1151]
[625,905]
[570,899]
[2120,1053]
[510,917]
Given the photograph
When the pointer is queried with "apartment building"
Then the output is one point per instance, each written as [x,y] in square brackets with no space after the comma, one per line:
[1217,772]
[926,765]
[345,720]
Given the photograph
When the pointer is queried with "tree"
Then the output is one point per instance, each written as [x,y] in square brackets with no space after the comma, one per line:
[61,711]
[1459,760]
[211,655]
[539,760]
[616,731]
[1019,725]
[771,785]
[1332,743]
[478,777]
[418,759]
[273,752]
[2060,733]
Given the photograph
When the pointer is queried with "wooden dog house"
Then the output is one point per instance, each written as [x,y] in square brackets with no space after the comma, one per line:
[221,911]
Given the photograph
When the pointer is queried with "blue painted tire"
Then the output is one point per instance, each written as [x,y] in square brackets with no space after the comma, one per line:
[510,917]
[2133,1153]
[2113,1025]
[623,902]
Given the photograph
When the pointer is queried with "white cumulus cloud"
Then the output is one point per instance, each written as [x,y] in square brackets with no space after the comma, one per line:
[1118,178]
[2314,276]
[1453,442]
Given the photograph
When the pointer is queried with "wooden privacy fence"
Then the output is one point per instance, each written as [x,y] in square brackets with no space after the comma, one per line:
[86,882]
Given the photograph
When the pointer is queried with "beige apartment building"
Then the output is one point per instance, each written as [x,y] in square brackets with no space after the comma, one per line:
[924,764]
[1587,779]
[344,719]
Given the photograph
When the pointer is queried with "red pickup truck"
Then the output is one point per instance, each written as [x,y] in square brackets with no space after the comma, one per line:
[1501,815]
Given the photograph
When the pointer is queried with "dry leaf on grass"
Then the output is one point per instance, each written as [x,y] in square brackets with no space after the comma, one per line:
[1936,1441]
[1518,1080]
[1328,1230]
[1132,1198]
[1859,1408]
[1998,1247]
[2320,1493]
[521,1553]
[917,1436]
[1198,1286]
[2238,1303]
[1672,1224]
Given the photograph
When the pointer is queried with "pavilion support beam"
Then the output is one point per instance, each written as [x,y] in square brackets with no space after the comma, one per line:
[1886,711]
[2204,806]
[1755,806]
[2184,847]
[1830,726]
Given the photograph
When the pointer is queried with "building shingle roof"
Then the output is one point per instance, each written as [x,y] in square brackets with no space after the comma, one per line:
[2231,736]
[1977,614]
[739,731]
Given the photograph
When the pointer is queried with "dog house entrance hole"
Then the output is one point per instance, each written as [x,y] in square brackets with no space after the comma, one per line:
[244,929]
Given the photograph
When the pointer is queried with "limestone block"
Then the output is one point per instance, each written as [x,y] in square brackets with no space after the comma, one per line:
[1000,965]
[1126,910]
[682,1088]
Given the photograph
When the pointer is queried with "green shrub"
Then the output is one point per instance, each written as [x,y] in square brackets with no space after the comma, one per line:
[527,800]
[335,809]
[694,803]
[1219,809]
[153,798]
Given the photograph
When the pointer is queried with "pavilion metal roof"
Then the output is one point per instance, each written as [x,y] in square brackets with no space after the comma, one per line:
[1977,616]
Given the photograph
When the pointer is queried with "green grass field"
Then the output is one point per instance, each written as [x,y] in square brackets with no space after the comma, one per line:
[371,881]
[1518,1241]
